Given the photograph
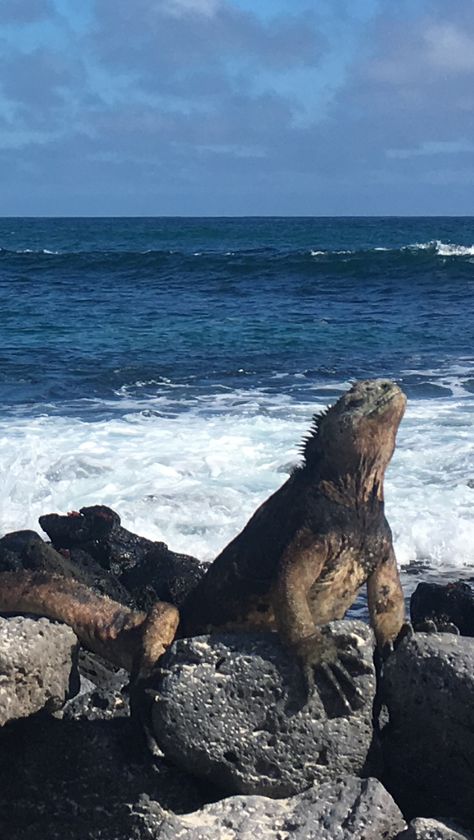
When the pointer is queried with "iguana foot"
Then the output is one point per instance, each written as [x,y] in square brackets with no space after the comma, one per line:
[406,632]
[330,664]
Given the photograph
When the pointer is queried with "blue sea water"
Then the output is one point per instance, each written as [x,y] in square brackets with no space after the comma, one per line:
[169,367]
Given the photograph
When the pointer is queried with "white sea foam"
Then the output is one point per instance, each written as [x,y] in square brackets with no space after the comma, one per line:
[194,479]
[443,249]
[430,502]
[188,480]
[33,251]
[448,250]
[326,253]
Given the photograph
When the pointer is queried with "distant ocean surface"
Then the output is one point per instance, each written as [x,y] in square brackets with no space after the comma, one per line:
[170,367]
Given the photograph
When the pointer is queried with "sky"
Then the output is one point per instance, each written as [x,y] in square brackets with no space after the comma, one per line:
[236,107]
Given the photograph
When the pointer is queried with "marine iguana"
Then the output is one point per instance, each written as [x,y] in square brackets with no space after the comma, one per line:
[298,563]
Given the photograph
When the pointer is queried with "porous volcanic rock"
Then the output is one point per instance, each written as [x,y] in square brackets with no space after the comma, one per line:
[427,829]
[36,663]
[346,809]
[428,687]
[234,709]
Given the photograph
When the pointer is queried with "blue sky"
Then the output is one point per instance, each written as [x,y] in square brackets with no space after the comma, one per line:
[233,107]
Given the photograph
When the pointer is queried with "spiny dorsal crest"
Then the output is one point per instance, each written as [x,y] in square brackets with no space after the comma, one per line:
[308,446]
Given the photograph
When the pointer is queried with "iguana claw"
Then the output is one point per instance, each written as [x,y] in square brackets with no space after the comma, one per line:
[329,668]
[406,632]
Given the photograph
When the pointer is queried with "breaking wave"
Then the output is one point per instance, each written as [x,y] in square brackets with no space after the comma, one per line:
[193,479]
[434,247]
[444,249]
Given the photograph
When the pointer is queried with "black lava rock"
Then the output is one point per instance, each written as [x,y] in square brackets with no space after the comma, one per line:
[428,745]
[234,709]
[148,570]
[444,605]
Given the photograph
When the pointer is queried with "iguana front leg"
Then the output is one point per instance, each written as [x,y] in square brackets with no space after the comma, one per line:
[385,599]
[322,655]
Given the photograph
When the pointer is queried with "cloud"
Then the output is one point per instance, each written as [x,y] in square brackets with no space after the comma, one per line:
[449,147]
[51,71]
[162,49]
[199,7]
[25,11]
[449,48]
[206,106]
[402,95]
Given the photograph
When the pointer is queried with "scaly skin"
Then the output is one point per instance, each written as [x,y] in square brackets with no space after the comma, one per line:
[129,639]
[298,563]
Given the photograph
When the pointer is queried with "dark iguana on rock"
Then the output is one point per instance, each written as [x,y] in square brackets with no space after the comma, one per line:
[298,563]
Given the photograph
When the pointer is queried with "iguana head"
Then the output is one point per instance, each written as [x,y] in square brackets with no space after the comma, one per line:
[358,432]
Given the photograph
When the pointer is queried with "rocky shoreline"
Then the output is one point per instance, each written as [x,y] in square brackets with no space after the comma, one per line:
[224,742]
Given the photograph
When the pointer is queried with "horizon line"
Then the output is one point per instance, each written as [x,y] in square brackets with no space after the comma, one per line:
[249,216]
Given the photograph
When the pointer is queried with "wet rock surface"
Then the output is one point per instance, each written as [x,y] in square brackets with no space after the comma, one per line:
[235,709]
[36,666]
[428,687]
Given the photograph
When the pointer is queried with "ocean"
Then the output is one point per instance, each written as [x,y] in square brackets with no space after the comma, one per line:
[169,368]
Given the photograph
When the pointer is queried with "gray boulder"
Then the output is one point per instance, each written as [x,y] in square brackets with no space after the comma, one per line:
[346,809]
[234,709]
[426,829]
[428,687]
[36,660]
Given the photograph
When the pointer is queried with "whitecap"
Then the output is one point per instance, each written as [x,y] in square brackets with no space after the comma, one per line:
[33,251]
[448,250]
[442,249]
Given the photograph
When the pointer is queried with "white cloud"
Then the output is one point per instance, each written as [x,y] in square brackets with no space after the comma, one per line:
[449,49]
[179,8]
[448,147]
